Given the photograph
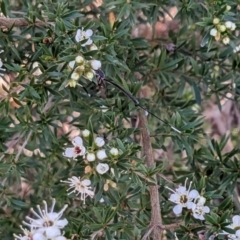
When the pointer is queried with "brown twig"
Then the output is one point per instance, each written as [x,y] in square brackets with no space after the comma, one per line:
[156,218]
[19,22]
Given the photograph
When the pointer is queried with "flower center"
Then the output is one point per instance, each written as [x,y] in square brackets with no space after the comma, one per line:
[48,224]
[237,228]
[183,199]
[199,211]
[77,150]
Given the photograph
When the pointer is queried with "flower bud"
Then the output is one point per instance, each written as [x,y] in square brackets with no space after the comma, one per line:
[216,21]
[114,152]
[93,47]
[222,28]
[85,133]
[89,75]
[233,27]
[99,142]
[80,69]
[95,64]
[75,76]
[228,24]
[226,40]
[72,83]
[101,154]
[88,169]
[213,32]
[91,157]
[79,60]
[228,8]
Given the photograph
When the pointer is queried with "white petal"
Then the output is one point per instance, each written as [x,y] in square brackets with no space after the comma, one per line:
[177,209]
[60,238]
[52,232]
[69,152]
[89,33]
[78,35]
[236,220]
[201,201]
[190,205]
[86,182]
[193,194]
[206,209]
[38,236]
[237,233]
[77,141]
[181,190]
[71,64]
[89,193]
[62,223]
[174,198]
[201,217]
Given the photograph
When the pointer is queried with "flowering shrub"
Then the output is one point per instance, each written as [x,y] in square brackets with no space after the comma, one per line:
[122,114]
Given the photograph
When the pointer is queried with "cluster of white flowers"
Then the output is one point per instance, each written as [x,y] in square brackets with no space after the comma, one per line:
[222,30]
[95,156]
[184,198]
[46,226]
[81,66]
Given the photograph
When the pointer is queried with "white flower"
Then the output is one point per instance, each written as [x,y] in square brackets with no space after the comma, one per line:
[47,223]
[75,76]
[182,196]
[77,150]
[213,32]
[226,40]
[198,209]
[85,133]
[101,154]
[95,64]
[102,168]
[84,35]
[99,142]
[80,187]
[114,152]
[101,200]
[91,157]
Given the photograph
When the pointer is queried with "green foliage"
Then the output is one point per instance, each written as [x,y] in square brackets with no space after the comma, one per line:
[40,114]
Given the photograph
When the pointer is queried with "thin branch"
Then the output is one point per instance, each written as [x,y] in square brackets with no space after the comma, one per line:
[156,218]
[19,22]
[167,180]
[23,146]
